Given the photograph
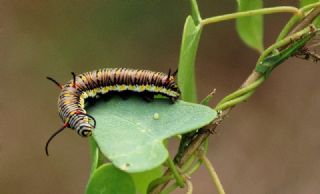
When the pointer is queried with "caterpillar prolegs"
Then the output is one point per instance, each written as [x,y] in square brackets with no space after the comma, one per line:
[71,101]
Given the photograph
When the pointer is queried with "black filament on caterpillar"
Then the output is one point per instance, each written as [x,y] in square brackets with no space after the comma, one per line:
[71,101]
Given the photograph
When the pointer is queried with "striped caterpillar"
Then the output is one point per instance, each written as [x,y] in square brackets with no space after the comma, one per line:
[71,101]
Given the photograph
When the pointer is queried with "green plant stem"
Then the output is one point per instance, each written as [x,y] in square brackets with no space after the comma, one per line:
[287,28]
[189,170]
[185,169]
[307,20]
[233,102]
[310,6]
[283,42]
[271,10]
[213,173]
[169,189]
[160,181]
[176,174]
[188,164]
[206,145]
[295,19]
[195,167]
[242,91]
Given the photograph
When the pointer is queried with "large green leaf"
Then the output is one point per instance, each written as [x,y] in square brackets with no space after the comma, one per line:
[186,73]
[303,3]
[131,132]
[109,180]
[250,28]
[143,179]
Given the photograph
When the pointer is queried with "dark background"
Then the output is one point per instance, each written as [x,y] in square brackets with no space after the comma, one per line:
[268,145]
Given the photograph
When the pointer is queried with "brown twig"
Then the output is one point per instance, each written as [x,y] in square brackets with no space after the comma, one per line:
[306,21]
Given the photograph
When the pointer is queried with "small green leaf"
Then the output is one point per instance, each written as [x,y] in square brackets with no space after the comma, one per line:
[307,2]
[208,98]
[143,179]
[250,28]
[195,12]
[303,3]
[132,139]
[186,73]
[109,180]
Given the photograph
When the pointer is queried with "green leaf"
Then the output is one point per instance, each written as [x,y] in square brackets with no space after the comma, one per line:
[109,180]
[143,179]
[131,132]
[208,98]
[307,2]
[186,73]
[195,12]
[303,3]
[94,154]
[250,28]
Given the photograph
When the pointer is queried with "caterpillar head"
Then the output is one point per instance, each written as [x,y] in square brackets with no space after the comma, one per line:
[85,130]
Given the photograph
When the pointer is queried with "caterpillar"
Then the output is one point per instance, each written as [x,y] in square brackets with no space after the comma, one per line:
[71,101]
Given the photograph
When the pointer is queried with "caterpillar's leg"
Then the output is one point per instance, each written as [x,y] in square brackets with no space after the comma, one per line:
[90,101]
[124,95]
[172,100]
[147,96]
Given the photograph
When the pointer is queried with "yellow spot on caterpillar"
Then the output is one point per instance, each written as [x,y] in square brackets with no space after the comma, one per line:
[137,89]
[152,88]
[105,90]
[84,95]
[117,88]
[92,93]
[142,88]
[122,87]
[163,90]
[157,89]
[96,90]
[81,102]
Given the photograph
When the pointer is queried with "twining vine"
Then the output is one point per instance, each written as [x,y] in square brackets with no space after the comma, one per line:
[297,32]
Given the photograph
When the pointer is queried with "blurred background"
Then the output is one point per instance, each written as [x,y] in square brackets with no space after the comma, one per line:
[269,144]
